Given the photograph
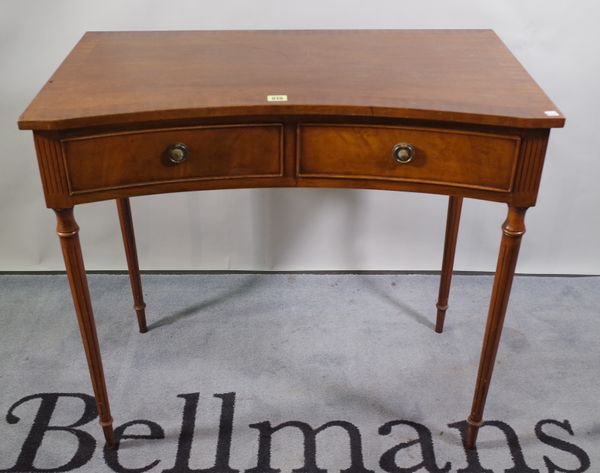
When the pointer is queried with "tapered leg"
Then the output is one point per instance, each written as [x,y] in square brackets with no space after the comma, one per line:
[452,222]
[512,232]
[124,209]
[68,231]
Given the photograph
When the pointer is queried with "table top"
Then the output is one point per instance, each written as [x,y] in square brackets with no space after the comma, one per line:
[466,76]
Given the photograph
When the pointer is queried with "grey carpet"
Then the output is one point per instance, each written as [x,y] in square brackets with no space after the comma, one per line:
[358,349]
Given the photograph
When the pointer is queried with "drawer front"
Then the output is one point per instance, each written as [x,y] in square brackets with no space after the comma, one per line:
[140,158]
[448,157]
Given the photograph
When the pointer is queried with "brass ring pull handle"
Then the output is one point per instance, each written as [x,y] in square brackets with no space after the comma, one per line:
[176,153]
[403,153]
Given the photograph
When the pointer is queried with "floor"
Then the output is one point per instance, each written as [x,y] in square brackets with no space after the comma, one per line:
[258,372]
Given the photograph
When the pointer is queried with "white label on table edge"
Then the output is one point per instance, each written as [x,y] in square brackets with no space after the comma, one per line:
[277,98]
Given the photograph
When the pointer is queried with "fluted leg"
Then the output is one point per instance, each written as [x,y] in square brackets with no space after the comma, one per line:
[452,223]
[512,232]
[124,209]
[68,232]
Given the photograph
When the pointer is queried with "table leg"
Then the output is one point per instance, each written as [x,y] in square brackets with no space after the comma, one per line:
[452,222]
[512,232]
[68,231]
[124,209]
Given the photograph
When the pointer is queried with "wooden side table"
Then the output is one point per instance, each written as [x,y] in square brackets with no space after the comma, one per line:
[442,111]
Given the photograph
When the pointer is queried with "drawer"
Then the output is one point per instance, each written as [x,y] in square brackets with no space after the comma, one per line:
[140,158]
[448,157]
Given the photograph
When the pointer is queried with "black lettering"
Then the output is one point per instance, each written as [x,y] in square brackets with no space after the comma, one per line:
[111,457]
[474,466]
[86,444]
[266,432]
[388,459]
[186,436]
[582,457]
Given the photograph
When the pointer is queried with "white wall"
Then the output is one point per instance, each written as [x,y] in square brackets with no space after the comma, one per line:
[285,229]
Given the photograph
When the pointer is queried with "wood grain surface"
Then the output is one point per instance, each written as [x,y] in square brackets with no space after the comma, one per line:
[122,160]
[466,76]
[475,160]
